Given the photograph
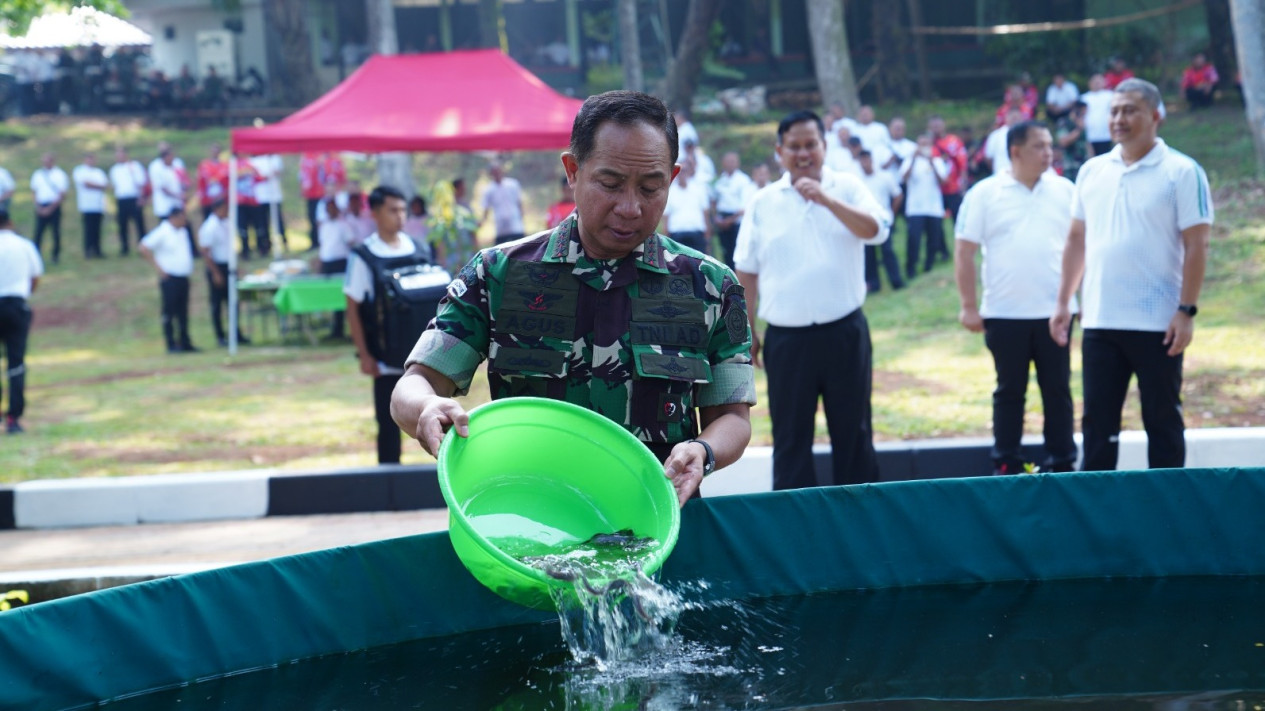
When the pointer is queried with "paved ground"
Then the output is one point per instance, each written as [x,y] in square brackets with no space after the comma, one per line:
[177,547]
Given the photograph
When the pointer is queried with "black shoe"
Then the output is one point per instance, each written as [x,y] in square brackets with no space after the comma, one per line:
[221,342]
[242,340]
[11,425]
[190,348]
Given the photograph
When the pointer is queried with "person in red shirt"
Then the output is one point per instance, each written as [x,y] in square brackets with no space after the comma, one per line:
[1015,99]
[312,187]
[562,209]
[1199,81]
[212,180]
[249,214]
[1119,72]
[1031,97]
[335,171]
[951,148]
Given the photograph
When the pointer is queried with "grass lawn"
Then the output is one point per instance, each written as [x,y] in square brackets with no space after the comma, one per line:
[104,399]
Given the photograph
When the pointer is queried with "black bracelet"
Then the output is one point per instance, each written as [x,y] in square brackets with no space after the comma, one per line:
[709,463]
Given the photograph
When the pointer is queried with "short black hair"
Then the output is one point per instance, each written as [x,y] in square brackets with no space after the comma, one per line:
[799,117]
[1018,134]
[174,212]
[625,108]
[865,154]
[418,199]
[854,141]
[378,196]
[458,183]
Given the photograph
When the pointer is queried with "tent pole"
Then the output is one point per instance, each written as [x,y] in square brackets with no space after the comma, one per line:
[234,240]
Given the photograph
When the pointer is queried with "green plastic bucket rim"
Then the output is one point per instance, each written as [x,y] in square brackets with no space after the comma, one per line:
[653,562]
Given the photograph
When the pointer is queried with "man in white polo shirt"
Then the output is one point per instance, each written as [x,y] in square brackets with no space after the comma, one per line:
[731,192]
[503,199]
[167,248]
[20,270]
[801,259]
[90,186]
[49,185]
[1141,220]
[685,217]
[129,178]
[1019,221]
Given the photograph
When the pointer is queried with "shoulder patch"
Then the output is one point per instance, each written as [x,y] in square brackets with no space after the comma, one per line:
[457,289]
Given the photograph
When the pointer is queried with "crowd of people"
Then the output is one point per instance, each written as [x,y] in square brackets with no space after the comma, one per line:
[74,80]
[799,244]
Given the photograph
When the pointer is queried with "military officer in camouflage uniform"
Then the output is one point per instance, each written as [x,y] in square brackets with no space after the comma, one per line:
[600,311]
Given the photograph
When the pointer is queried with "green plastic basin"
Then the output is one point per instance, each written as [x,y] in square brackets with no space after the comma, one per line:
[536,474]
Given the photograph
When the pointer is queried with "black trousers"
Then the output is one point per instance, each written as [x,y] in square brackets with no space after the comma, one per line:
[50,221]
[338,266]
[15,326]
[311,221]
[219,301]
[952,205]
[92,234]
[694,239]
[254,217]
[389,445]
[728,240]
[175,311]
[129,212]
[1016,343]
[266,209]
[831,362]
[919,225]
[890,263]
[1110,359]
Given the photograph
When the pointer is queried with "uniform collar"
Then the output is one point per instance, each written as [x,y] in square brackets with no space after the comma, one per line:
[1155,156]
[564,247]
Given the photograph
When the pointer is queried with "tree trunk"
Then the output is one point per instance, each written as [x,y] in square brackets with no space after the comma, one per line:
[394,169]
[492,26]
[683,76]
[1221,40]
[630,46]
[1249,28]
[829,40]
[920,49]
[891,41]
[291,78]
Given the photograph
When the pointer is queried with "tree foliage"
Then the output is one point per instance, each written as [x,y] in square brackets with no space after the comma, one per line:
[16,15]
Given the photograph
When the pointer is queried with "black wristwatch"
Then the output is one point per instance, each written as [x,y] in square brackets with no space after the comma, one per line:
[1188,309]
[709,463]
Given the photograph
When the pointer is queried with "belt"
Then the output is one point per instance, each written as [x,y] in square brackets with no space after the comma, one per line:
[12,299]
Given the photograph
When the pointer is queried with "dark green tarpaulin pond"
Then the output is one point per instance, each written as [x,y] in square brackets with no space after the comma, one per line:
[1159,524]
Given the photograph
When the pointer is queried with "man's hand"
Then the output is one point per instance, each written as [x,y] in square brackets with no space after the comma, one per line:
[217,277]
[811,190]
[1181,330]
[440,414]
[755,350]
[369,365]
[1061,325]
[684,467]
[970,320]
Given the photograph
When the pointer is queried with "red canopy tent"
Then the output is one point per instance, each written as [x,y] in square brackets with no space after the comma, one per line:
[452,101]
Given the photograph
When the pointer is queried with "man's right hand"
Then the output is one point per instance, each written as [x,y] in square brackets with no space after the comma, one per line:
[1061,325]
[369,365]
[438,416]
[755,350]
[971,320]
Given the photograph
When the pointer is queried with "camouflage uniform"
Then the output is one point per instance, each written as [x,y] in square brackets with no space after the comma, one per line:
[643,340]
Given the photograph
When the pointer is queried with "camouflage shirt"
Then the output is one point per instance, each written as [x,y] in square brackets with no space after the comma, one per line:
[642,340]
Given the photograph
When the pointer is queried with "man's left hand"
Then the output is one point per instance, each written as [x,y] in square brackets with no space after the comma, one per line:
[684,467]
[1181,330]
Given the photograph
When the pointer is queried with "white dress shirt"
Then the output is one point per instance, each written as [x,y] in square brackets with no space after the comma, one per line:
[128,179]
[1097,115]
[337,239]
[505,199]
[49,185]
[215,235]
[732,191]
[270,167]
[1021,234]
[171,249]
[996,150]
[922,189]
[19,263]
[883,187]
[811,267]
[686,210]
[1134,216]
[89,199]
[166,183]
[1064,96]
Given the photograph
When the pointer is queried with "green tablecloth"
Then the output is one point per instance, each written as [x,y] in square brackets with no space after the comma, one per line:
[306,295]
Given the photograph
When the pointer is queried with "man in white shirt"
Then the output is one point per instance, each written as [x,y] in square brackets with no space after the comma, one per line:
[90,186]
[730,194]
[164,178]
[215,241]
[335,241]
[887,193]
[840,157]
[921,174]
[128,177]
[685,131]
[503,199]
[7,188]
[49,185]
[1060,97]
[20,270]
[996,149]
[168,250]
[1098,114]
[704,168]
[388,208]
[873,134]
[685,217]
[1141,221]
[1019,221]
[800,257]
[268,193]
